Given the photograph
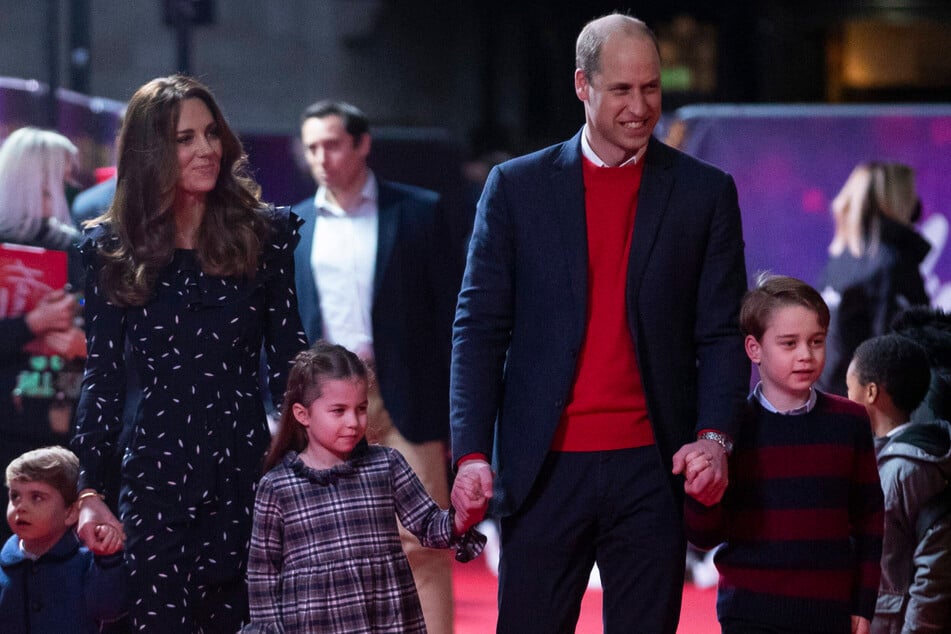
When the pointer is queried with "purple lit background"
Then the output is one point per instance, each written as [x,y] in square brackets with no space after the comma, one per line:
[788,163]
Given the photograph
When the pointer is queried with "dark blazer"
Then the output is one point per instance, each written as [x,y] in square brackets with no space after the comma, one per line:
[417,277]
[521,316]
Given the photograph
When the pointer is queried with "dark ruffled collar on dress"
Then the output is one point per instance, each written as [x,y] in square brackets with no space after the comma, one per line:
[325,477]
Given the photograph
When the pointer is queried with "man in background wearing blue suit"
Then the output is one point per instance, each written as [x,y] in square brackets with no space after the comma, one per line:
[597,353]
[377,273]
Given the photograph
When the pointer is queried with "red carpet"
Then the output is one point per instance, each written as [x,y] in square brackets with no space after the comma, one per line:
[476,587]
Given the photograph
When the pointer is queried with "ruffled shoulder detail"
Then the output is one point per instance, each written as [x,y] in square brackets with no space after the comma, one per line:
[92,240]
[285,234]
[277,256]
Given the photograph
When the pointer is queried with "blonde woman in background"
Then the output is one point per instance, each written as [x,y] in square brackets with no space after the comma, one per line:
[874,258]
[38,385]
[34,167]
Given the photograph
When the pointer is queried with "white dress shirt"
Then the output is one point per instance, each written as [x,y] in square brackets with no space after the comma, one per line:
[343,261]
[588,152]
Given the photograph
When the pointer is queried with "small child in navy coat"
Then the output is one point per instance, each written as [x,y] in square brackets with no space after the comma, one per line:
[49,582]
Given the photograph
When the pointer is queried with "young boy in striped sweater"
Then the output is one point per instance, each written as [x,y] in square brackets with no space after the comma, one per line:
[801,521]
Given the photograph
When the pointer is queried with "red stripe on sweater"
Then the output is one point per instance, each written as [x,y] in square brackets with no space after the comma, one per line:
[796,461]
[832,585]
[790,524]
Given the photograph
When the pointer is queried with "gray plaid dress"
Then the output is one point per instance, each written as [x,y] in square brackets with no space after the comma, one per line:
[325,549]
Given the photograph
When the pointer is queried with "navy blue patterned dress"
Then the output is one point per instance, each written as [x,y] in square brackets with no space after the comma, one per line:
[190,467]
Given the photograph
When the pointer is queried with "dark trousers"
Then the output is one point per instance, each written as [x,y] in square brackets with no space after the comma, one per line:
[613,508]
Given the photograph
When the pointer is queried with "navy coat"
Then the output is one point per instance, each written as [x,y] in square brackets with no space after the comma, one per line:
[417,275]
[521,316]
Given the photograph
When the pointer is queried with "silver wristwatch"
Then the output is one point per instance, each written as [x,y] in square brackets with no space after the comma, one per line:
[718,437]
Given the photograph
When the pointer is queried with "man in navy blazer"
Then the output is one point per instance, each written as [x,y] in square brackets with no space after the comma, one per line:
[377,273]
[586,468]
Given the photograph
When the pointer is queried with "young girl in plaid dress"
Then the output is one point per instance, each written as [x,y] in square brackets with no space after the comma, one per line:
[325,549]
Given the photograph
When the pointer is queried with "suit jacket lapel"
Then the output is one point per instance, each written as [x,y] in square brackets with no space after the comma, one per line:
[568,215]
[656,184]
[388,214]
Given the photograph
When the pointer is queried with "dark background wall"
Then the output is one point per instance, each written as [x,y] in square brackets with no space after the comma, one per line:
[490,73]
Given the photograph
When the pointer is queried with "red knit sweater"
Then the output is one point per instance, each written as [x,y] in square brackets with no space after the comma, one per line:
[607,409]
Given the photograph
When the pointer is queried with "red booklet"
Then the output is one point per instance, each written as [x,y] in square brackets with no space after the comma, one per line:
[26,275]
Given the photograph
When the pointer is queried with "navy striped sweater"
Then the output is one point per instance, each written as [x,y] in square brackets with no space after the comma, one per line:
[801,522]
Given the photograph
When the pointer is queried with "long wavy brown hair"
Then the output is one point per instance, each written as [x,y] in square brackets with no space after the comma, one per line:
[312,368]
[141,217]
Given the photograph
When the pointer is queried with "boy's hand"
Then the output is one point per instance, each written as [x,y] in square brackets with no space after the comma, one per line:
[704,465]
[110,539]
[860,625]
[470,495]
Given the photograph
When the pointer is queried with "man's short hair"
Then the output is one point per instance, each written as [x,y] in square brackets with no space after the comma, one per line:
[55,466]
[897,365]
[777,291]
[355,122]
[596,32]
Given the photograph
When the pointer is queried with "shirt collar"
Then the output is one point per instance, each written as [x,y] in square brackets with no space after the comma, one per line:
[588,152]
[805,408]
[368,194]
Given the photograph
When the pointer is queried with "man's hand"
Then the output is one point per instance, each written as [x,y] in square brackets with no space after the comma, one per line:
[471,492]
[704,465]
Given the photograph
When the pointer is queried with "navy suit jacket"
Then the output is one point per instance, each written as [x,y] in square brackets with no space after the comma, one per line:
[521,316]
[416,279]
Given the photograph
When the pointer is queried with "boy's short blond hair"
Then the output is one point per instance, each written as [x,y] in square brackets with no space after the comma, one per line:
[55,466]
[777,291]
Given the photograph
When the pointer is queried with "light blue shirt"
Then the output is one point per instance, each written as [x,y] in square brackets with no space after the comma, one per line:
[805,408]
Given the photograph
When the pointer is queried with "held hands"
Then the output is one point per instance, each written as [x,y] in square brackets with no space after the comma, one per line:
[69,344]
[471,493]
[98,527]
[704,465]
[54,312]
[860,625]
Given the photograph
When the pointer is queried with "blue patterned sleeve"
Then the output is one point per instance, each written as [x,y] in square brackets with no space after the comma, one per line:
[99,412]
[284,335]
[265,560]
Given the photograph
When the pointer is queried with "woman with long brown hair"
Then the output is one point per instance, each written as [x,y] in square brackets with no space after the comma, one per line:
[191,272]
